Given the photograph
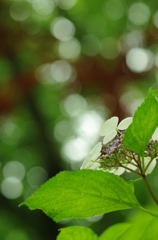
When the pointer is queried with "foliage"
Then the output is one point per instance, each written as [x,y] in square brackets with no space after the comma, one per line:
[145,121]
[82,194]
[65,66]
[116,232]
[85,193]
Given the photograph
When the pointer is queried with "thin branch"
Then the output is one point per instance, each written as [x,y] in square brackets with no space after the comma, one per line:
[149,212]
[152,194]
[143,165]
[149,163]
[139,165]
[131,170]
[134,158]
[136,180]
[133,164]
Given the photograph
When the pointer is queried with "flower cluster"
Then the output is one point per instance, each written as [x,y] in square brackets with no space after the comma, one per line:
[114,157]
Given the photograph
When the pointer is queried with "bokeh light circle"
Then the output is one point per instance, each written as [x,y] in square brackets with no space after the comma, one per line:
[62,29]
[114,9]
[61,71]
[139,60]
[69,50]
[14,169]
[139,13]
[63,4]
[11,187]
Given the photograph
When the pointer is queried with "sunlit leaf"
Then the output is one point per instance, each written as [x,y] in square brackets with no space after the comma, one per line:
[139,230]
[144,227]
[77,233]
[151,231]
[131,185]
[144,123]
[114,232]
[82,194]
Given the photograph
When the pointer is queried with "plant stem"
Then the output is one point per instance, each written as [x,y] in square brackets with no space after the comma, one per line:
[150,163]
[149,212]
[143,168]
[130,170]
[136,180]
[118,131]
[134,157]
[152,194]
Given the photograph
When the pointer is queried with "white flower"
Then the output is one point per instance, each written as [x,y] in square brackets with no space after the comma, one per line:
[151,166]
[155,135]
[89,162]
[121,170]
[118,171]
[94,155]
[146,161]
[109,128]
[131,166]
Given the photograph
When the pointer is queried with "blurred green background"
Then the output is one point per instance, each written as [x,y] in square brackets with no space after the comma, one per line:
[65,67]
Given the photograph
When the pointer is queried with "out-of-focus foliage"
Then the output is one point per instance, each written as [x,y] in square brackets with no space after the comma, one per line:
[65,67]
[144,228]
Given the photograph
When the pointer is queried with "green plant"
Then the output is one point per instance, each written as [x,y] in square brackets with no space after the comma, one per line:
[131,146]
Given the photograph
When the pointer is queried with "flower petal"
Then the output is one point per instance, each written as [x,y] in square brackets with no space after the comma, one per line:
[109,126]
[95,166]
[118,171]
[155,135]
[124,124]
[87,163]
[95,153]
[152,165]
[131,167]
[109,136]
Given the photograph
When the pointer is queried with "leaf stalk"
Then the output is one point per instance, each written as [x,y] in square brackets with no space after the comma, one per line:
[152,194]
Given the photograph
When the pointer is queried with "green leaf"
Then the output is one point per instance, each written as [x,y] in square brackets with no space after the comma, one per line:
[77,233]
[82,194]
[131,185]
[144,229]
[144,123]
[151,231]
[114,232]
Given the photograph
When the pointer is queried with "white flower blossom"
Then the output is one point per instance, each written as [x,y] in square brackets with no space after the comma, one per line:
[118,171]
[121,170]
[151,166]
[155,135]
[94,155]
[109,128]
[146,161]
[101,153]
